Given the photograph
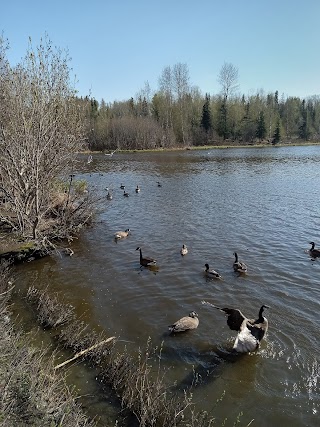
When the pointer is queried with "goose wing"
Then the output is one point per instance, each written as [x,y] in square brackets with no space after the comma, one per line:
[258,331]
[235,317]
[258,328]
[240,266]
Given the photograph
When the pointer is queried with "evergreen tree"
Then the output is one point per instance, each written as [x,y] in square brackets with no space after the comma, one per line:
[277,134]
[206,119]
[303,128]
[261,127]
[222,128]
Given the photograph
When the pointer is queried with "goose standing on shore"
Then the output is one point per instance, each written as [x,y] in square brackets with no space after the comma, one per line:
[185,323]
[146,261]
[250,331]
[314,252]
[211,273]
[239,266]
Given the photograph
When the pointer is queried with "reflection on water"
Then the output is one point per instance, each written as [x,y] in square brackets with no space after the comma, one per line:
[261,203]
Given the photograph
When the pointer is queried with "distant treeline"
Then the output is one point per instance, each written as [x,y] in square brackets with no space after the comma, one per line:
[178,115]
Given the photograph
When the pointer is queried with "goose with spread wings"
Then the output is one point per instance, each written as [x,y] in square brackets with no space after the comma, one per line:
[250,331]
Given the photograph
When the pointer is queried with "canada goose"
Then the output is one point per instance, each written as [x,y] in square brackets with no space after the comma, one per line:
[122,187]
[250,331]
[185,323]
[125,193]
[159,184]
[211,273]
[109,196]
[122,234]
[238,266]
[146,261]
[184,250]
[137,189]
[314,252]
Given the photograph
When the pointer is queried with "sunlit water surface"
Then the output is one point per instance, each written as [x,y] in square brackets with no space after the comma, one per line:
[263,204]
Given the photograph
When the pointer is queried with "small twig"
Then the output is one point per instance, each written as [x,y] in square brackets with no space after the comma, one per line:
[82,352]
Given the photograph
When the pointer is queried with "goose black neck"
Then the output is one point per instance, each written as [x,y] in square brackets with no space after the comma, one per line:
[260,313]
[236,256]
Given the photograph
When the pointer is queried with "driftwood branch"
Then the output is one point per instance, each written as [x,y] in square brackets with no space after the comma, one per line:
[82,352]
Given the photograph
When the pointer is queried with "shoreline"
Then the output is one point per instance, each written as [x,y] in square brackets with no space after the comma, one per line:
[205,147]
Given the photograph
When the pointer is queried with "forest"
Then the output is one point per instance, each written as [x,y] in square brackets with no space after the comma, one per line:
[177,115]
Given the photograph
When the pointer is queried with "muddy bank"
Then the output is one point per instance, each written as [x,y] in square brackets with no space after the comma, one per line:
[16,250]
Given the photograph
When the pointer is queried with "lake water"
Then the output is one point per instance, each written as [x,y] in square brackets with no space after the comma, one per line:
[262,203]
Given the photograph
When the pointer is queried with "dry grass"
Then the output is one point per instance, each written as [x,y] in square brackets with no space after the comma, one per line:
[50,312]
[31,392]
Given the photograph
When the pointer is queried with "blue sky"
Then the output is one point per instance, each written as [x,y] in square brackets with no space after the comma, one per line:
[118,45]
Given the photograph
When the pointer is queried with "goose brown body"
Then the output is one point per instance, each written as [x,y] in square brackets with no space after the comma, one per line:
[250,331]
[239,266]
[122,234]
[211,273]
[185,323]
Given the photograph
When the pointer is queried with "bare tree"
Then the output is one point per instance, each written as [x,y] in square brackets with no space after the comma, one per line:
[41,132]
[228,79]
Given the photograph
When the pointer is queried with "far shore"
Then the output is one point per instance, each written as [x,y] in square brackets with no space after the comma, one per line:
[206,147]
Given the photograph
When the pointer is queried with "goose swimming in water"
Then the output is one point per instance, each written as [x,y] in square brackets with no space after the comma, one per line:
[314,252]
[184,250]
[137,189]
[250,331]
[109,196]
[125,193]
[146,261]
[211,273]
[185,323]
[122,187]
[122,234]
[239,266]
